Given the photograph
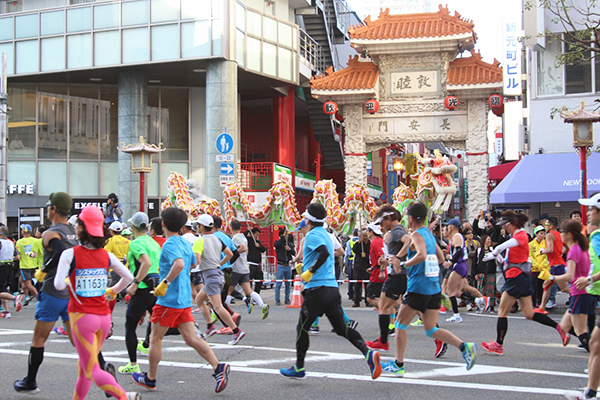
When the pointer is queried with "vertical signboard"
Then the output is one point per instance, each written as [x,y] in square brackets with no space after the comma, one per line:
[511,56]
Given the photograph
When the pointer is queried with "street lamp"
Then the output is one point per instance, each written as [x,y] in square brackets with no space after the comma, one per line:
[141,162]
[583,139]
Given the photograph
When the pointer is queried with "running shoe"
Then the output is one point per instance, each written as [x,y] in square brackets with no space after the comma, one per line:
[210,331]
[470,307]
[483,303]
[237,337]
[60,331]
[440,348]
[199,332]
[141,378]
[454,318]
[19,302]
[196,311]
[221,375]
[133,396]
[225,331]
[213,317]
[442,309]
[550,304]
[129,369]
[313,330]
[393,368]
[237,319]
[377,345]
[111,370]
[578,395]
[540,310]
[23,386]
[392,332]
[110,333]
[5,314]
[493,347]
[264,310]
[374,361]
[566,337]
[470,354]
[249,304]
[446,301]
[418,322]
[27,301]
[352,324]
[143,350]
[293,372]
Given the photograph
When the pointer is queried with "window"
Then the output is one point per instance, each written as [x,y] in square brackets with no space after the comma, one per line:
[549,76]
[579,73]
[269,7]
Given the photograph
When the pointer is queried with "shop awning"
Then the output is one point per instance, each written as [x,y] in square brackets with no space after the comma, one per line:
[499,172]
[540,178]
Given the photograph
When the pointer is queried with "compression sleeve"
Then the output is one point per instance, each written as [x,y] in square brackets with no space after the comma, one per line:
[457,256]
[512,242]
[323,254]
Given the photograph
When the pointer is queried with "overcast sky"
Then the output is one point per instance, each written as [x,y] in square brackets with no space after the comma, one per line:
[486,15]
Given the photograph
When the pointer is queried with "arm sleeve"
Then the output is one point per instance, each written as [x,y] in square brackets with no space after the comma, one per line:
[457,256]
[512,242]
[323,254]
[236,255]
[122,271]
[62,271]
[118,211]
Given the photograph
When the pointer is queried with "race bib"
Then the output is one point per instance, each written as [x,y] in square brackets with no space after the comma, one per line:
[90,282]
[432,269]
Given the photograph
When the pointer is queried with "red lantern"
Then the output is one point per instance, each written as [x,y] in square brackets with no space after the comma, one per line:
[372,106]
[451,102]
[329,107]
[495,101]
[498,110]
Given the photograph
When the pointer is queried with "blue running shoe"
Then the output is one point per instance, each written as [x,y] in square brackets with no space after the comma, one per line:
[393,368]
[470,354]
[140,378]
[374,362]
[221,375]
[293,372]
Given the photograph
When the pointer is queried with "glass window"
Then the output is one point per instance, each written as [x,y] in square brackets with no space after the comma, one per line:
[269,59]
[240,47]
[240,17]
[135,45]
[79,19]
[106,16]
[285,64]
[21,122]
[270,29]
[26,26]
[28,56]
[294,38]
[164,10]
[6,28]
[52,23]
[269,7]
[285,35]
[549,75]
[254,24]
[107,48]
[174,123]
[254,54]
[195,39]
[84,111]
[153,118]
[195,9]
[10,57]
[83,179]
[216,37]
[152,181]
[165,42]
[52,129]
[217,8]
[165,171]
[21,173]
[79,51]
[134,13]
[109,122]
[53,54]
[109,177]
[53,177]
[578,74]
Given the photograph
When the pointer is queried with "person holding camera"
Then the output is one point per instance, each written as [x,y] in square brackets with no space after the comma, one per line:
[112,210]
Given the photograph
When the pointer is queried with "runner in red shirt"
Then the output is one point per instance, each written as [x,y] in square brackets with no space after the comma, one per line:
[378,274]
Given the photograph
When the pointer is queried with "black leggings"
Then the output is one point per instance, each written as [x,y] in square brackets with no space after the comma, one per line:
[319,301]
[139,303]
[256,273]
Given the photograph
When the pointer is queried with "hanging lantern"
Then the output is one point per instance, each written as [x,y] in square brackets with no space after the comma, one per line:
[451,102]
[372,106]
[498,111]
[329,107]
[496,101]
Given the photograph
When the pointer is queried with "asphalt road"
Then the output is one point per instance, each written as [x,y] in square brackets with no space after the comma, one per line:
[534,366]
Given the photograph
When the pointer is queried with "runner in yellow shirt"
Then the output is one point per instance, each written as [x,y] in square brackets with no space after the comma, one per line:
[27,262]
[539,263]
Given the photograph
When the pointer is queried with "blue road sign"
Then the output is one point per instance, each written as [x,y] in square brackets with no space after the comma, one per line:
[227,169]
[224,143]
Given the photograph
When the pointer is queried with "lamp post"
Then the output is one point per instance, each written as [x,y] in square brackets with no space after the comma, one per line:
[583,139]
[141,161]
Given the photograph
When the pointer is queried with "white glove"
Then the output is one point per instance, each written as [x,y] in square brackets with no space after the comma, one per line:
[488,257]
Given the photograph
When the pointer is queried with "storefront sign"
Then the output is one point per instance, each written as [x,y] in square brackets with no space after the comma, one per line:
[305,181]
[511,56]
[374,190]
[281,173]
[20,189]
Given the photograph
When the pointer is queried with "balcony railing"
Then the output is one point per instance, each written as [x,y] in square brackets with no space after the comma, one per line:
[312,53]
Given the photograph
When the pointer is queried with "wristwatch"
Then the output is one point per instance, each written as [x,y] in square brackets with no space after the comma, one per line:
[552,278]
[136,281]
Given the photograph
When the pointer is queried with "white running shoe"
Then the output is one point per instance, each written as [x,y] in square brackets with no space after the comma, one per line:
[578,395]
[454,318]
[134,396]
[550,304]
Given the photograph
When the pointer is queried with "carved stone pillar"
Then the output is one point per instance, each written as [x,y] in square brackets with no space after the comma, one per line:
[477,157]
[354,146]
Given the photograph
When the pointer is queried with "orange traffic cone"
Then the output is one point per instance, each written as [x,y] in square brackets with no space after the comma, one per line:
[296,296]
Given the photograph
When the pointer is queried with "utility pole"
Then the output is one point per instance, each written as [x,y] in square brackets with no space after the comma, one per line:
[4,109]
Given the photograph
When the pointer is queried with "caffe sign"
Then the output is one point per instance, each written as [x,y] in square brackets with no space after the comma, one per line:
[27,189]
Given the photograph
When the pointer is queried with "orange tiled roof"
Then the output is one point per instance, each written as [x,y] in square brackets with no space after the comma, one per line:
[406,26]
[357,75]
[472,71]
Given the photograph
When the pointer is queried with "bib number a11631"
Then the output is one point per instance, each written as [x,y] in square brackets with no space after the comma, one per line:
[90,282]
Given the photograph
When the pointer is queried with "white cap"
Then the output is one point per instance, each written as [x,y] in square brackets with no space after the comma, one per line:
[139,220]
[73,220]
[206,220]
[593,201]
[116,226]
[375,228]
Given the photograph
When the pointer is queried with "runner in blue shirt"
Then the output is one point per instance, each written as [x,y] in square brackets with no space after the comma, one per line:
[322,295]
[423,292]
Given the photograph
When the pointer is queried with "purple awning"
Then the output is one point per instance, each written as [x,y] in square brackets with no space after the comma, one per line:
[540,178]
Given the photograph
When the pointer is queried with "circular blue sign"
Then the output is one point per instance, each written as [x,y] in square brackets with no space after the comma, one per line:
[224,143]
[383,196]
